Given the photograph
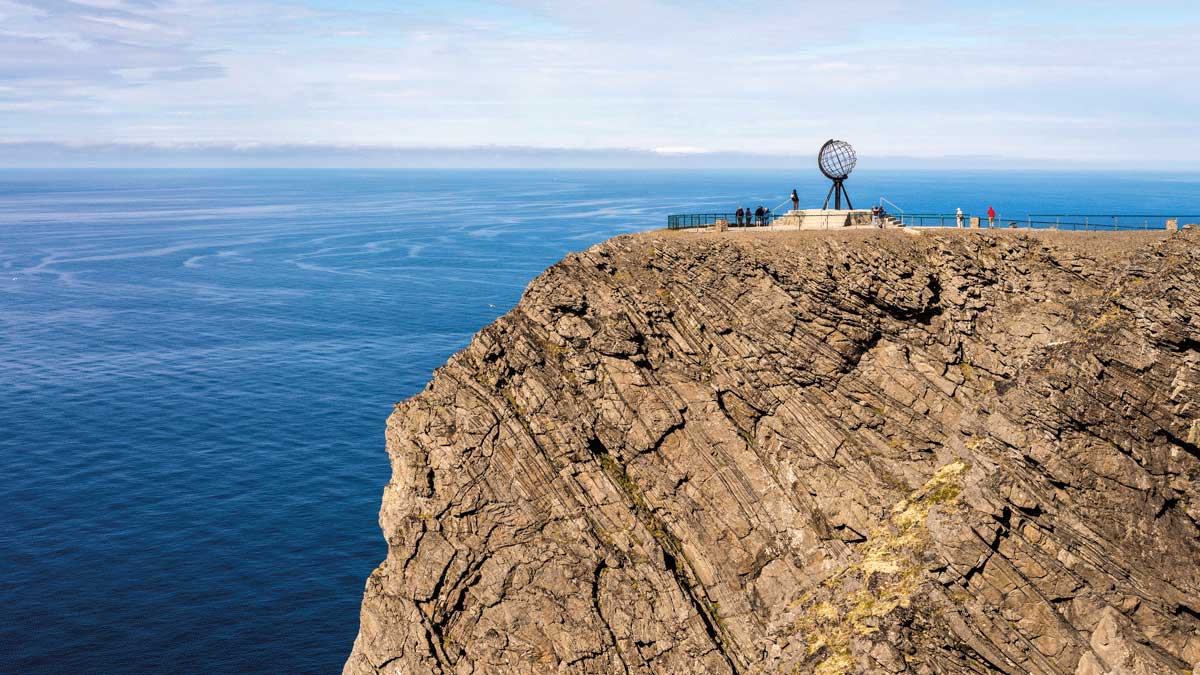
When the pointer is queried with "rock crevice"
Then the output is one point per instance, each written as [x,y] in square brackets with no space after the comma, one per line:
[851,452]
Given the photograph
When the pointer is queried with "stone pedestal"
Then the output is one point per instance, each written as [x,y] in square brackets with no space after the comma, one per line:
[822,219]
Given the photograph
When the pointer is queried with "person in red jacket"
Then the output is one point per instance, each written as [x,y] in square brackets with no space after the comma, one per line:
[991,217]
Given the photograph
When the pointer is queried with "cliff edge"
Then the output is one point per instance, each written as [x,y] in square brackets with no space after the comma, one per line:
[810,452]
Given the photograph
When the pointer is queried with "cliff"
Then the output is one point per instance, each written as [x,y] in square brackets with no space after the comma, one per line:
[811,452]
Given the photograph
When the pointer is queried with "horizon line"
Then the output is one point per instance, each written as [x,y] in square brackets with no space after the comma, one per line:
[347,167]
[28,154]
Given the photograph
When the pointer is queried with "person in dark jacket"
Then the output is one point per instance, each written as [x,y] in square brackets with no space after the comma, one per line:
[758,215]
[795,201]
[740,215]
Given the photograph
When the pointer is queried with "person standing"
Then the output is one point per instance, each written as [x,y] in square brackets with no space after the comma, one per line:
[958,216]
[991,217]
[758,215]
[795,201]
[740,215]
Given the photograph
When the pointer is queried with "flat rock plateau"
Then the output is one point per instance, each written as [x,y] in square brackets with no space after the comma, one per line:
[812,452]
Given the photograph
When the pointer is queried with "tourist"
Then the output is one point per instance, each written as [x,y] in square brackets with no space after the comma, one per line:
[758,215]
[875,215]
[795,201]
[740,215]
[958,217]
[991,217]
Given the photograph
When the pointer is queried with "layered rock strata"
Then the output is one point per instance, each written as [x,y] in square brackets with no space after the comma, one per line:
[811,452]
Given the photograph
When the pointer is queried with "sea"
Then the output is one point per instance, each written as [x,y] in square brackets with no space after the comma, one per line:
[196,367]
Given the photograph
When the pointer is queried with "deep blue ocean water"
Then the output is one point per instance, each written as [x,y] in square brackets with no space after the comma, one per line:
[196,366]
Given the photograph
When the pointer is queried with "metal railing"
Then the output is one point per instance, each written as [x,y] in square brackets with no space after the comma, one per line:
[1084,222]
[1105,222]
[682,221]
[929,219]
[883,201]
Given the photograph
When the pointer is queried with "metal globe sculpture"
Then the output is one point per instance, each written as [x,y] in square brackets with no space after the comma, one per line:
[836,160]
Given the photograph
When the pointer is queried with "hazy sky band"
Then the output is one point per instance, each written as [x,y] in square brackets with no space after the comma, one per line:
[1094,82]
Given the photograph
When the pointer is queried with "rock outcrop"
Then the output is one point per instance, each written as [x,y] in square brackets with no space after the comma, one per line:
[850,452]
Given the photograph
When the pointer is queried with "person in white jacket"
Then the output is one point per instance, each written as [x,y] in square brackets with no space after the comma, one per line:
[958,217]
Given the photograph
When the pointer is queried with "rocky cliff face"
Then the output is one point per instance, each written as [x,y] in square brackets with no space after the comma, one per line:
[865,452]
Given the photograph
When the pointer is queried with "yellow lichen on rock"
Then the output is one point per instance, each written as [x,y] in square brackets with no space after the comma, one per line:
[887,575]
[686,454]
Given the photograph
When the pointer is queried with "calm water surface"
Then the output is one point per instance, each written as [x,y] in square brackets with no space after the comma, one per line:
[195,369]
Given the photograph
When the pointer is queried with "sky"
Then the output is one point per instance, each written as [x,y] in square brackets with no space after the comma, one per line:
[1100,83]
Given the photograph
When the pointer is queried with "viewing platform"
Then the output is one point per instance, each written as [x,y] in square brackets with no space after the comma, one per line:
[802,219]
[837,219]
[823,219]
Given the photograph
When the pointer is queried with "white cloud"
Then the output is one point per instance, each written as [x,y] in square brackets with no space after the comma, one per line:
[69,41]
[681,150]
[922,77]
[119,22]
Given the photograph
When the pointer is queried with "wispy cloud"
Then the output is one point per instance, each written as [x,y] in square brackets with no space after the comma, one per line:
[1093,79]
[170,154]
[681,150]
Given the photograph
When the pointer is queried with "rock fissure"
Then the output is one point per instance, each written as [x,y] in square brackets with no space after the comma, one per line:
[670,548]
[600,613]
[816,453]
